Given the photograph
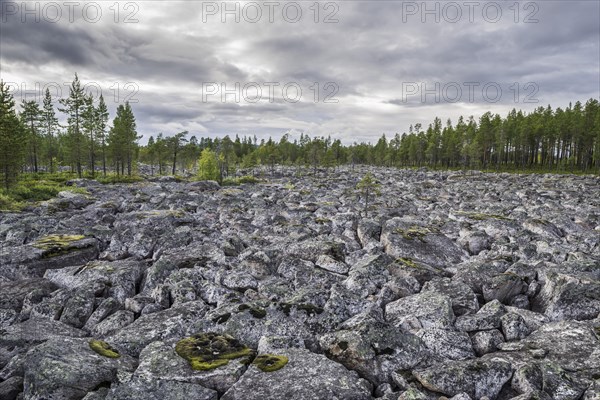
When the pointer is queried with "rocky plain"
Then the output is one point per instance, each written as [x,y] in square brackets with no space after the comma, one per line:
[450,285]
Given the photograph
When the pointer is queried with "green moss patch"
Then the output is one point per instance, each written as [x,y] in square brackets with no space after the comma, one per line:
[104,349]
[207,351]
[270,362]
[56,245]
[481,216]
[414,233]
[409,262]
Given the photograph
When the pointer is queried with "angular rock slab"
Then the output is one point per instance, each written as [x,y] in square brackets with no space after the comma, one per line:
[373,348]
[406,239]
[160,390]
[159,361]
[48,252]
[305,376]
[162,325]
[67,368]
[423,310]
[478,378]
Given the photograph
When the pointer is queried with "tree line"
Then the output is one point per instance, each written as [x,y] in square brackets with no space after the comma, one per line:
[542,140]
[33,140]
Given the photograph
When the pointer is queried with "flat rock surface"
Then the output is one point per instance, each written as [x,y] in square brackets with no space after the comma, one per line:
[462,285]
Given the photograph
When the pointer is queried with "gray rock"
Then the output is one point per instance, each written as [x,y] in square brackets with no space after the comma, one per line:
[47,252]
[160,390]
[10,388]
[305,376]
[477,378]
[373,348]
[426,310]
[464,301]
[157,326]
[488,317]
[485,342]
[408,239]
[159,361]
[67,368]
[447,344]
[330,264]
[113,323]
[514,327]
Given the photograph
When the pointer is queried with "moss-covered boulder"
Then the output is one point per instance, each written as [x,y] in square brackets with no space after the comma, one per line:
[206,351]
[47,252]
[305,375]
[160,361]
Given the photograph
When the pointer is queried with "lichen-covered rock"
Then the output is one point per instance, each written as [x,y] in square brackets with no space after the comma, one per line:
[572,345]
[122,276]
[565,296]
[160,389]
[514,327]
[488,317]
[485,342]
[547,378]
[409,239]
[305,376]
[374,348]
[464,301]
[160,361]
[19,338]
[162,325]
[477,378]
[68,368]
[423,310]
[47,252]
[447,344]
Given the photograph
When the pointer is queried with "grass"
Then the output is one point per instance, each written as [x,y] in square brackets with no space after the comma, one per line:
[32,189]
[112,179]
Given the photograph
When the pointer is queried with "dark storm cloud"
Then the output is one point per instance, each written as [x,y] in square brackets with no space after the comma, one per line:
[371,54]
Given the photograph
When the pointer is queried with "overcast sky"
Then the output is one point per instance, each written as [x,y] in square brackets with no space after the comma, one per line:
[379,66]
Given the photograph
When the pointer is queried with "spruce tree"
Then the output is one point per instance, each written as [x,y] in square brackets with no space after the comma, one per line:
[12,138]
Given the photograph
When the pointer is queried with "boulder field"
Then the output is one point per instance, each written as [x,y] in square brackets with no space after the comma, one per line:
[450,285]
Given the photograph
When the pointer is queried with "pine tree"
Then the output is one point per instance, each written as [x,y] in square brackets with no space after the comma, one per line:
[101,118]
[50,128]
[74,108]
[367,188]
[12,138]
[89,123]
[31,117]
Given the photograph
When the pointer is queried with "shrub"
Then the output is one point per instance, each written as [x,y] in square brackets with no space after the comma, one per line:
[8,204]
[112,179]
[248,179]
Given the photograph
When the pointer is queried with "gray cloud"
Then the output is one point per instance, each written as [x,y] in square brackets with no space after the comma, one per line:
[369,54]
